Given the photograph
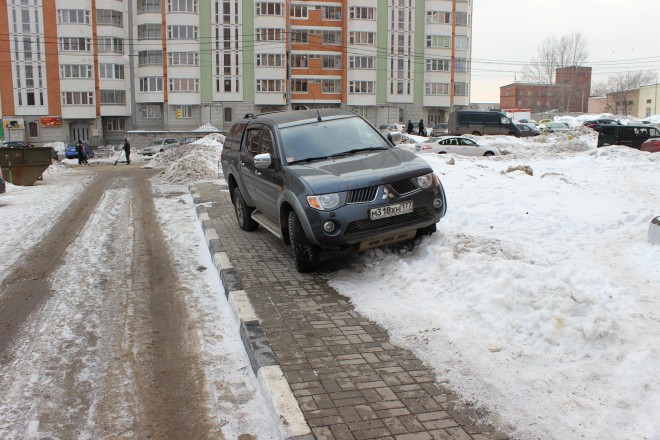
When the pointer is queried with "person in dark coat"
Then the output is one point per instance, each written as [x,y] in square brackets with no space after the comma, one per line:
[127,151]
[422,132]
[409,129]
[80,150]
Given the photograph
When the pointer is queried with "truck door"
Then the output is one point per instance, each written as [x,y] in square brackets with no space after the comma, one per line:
[269,180]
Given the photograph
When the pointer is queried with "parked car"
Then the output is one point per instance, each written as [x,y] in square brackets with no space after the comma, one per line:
[158,146]
[527,130]
[455,144]
[71,153]
[545,121]
[391,127]
[327,179]
[15,144]
[3,186]
[479,122]
[440,129]
[629,135]
[597,123]
[555,127]
[652,145]
[528,121]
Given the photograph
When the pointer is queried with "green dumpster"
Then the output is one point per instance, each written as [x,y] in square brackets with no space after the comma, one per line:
[24,165]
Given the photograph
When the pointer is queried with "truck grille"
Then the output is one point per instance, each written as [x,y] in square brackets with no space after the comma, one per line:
[362,195]
[404,186]
[373,225]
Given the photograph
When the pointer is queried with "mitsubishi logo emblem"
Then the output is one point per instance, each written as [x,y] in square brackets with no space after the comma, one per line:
[387,194]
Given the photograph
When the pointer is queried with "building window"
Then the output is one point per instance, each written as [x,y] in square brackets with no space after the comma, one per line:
[270,85]
[300,36]
[149,31]
[269,34]
[436,88]
[151,84]
[148,6]
[441,41]
[150,58]
[332,12]
[227,114]
[298,60]
[79,16]
[111,71]
[113,97]
[115,124]
[462,42]
[77,98]
[438,65]
[361,13]
[76,71]
[331,86]
[184,85]
[435,17]
[361,87]
[361,37]
[111,44]
[361,62]
[33,129]
[181,5]
[460,89]
[183,58]
[461,65]
[299,85]
[110,17]
[270,60]
[75,44]
[298,11]
[331,61]
[269,8]
[331,37]
[182,32]
[151,111]
[462,18]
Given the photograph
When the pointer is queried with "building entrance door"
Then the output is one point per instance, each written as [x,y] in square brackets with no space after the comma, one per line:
[79,131]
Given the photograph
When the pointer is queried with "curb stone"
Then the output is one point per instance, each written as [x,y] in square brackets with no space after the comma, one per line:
[282,404]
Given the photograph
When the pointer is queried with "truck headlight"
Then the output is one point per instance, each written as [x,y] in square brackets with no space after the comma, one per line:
[426,181]
[324,202]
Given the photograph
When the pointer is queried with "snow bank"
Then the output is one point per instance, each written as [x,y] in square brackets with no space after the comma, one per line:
[188,163]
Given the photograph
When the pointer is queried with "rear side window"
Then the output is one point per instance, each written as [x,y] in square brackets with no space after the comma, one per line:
[491,119]
[462,118]
[233,140]
[475,119]
[609,130]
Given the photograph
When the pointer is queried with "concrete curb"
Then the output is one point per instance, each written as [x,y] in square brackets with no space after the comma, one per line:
[273,385]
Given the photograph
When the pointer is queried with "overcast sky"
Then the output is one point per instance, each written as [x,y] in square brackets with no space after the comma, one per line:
[621,35]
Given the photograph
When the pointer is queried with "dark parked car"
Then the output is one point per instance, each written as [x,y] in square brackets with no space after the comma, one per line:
[71,152]
[327,179]
[629,135]
[15,144]
[527,130]
[2,183]
[596,124]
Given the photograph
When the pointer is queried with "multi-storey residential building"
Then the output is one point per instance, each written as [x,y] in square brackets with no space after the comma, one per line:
[93,69]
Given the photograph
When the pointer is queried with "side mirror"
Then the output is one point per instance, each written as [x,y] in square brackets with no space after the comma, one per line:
[262,161]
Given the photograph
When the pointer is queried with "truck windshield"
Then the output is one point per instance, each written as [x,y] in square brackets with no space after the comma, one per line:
[329,138]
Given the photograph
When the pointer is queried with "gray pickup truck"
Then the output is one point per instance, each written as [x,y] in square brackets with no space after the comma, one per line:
[327,179]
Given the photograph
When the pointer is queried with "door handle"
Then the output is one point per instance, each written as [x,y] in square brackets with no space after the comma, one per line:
[242,164]
[257,173]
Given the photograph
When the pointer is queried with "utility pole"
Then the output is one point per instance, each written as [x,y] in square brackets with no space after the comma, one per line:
[288,67]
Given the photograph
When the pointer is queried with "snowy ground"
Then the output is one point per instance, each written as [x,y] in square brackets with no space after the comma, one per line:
[536,300]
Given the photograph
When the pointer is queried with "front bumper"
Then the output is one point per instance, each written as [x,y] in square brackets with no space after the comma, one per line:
[354,228]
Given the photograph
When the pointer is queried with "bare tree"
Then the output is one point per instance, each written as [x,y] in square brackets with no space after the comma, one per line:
[622,86]
[565,51]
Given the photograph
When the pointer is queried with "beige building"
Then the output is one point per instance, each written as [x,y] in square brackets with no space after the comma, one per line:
[648,101]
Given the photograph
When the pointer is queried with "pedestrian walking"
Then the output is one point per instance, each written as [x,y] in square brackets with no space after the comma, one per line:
[422,132]
[409,129]
[127,151]
[80,150]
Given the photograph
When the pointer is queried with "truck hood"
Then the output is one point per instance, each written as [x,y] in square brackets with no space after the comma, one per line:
[360,170]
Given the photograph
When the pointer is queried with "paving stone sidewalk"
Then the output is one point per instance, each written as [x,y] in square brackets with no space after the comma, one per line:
[349,380]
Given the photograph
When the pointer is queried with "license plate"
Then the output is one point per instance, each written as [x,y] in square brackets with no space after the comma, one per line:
[391,210]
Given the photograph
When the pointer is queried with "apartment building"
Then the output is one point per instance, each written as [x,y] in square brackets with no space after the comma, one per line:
[93,69]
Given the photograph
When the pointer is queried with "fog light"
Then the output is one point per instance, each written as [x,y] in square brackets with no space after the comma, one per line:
[328,226]
[437,203]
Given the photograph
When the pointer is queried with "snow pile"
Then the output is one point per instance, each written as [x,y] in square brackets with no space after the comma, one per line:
[212,140]
[188,163]
[207,127]
[60,147]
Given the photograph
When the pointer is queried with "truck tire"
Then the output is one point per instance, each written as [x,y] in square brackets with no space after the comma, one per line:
[243,212]
[428,230]
[305,254]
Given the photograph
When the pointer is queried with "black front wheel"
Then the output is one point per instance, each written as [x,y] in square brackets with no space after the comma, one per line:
[489,153]
[243,212]
[305,254]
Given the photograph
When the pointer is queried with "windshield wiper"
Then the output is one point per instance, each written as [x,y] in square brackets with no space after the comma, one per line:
[357,150]
[309,159]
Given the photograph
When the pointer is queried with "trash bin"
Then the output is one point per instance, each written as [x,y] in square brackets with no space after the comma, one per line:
[24,165]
